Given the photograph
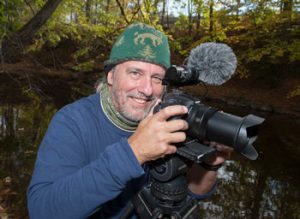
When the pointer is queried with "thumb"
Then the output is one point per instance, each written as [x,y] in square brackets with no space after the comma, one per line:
[152,108]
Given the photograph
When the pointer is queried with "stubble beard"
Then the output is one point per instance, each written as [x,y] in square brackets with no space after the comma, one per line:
[120,100]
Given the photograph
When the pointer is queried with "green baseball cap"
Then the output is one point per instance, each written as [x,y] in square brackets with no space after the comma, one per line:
[140,42]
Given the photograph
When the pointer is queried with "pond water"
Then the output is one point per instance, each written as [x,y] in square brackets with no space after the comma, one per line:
[266,188]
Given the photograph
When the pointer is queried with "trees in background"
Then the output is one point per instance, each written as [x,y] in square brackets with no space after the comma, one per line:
[258,30]
[23,36]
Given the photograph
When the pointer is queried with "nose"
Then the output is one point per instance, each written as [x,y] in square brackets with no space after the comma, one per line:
[145,86]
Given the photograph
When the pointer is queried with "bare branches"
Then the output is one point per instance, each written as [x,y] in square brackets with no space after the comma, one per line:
[29,5]
[122,11]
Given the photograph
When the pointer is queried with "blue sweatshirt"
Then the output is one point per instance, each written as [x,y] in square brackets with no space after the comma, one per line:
[84,166]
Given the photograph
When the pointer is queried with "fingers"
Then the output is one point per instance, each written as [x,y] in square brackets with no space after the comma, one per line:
[169,150]
[171,138]
[170,111]
[220,147]
[156,135]
[176,124]
[223,150]
[223,153]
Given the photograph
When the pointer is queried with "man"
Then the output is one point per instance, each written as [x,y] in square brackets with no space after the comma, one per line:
[93,158]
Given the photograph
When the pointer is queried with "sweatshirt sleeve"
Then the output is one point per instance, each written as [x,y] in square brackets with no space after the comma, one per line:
[64,185]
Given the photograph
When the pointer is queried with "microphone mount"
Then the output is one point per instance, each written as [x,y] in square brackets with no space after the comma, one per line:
[181,76]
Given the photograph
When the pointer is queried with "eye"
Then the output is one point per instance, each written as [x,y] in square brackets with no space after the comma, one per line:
[135,74]
[157,80]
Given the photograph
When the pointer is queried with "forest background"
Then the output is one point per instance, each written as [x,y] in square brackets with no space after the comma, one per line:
[57,47]
[70,39]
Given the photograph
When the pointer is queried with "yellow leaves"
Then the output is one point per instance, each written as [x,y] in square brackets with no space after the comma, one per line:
[36,46]
[295,92]
[80,53]
[242,71]
[271,51]
[84,66]
[294,49]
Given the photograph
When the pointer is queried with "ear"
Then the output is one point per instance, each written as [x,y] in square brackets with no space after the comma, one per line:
[110,77]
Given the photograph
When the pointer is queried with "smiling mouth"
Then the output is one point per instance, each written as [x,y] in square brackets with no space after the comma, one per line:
[140,100]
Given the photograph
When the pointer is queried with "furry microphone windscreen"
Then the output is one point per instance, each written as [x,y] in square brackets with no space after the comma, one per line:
[215,63]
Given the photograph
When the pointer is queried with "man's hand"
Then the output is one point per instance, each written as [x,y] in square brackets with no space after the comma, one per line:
[155,135]
[223,153]
[201,180]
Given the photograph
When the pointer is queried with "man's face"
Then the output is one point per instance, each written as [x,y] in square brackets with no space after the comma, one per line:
[135,87]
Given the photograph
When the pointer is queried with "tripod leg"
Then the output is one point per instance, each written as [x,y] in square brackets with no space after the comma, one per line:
[145,205]
[127,211]
[190,210]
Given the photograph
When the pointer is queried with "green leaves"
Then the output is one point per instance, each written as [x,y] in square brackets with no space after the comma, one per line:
[256,29]
[294,50]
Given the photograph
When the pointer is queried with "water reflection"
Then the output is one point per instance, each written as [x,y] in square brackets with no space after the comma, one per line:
[266,188]
[21,128]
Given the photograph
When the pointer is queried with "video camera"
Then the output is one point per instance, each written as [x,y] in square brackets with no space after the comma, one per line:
[166,196]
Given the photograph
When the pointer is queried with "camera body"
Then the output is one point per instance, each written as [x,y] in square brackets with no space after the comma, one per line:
[209,124]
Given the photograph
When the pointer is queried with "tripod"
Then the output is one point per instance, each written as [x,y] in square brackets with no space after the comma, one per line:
[159,202]
[166,197]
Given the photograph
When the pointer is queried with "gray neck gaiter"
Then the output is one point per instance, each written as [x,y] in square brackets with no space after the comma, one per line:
[112,114]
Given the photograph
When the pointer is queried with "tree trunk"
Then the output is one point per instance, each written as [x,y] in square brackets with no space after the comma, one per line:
[211,20]
[88,14]
[168,23]
[13,46]
[199,8]
[190,24]
[287,9]
[237,12]
[198,22]
[163,11]
[107,6]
